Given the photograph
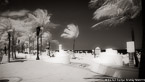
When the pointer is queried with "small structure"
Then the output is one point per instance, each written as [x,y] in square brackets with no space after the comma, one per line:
[131,51]
[60,57]
[60,47]
[97,52]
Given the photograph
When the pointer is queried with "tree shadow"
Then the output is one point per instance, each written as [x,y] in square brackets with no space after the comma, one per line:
[10,79]
[18,60]
[4,80]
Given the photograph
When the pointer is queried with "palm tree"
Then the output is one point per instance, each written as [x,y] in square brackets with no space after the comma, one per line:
[113,12]
[40,18]
[71,32]
[16,26]
[5,27]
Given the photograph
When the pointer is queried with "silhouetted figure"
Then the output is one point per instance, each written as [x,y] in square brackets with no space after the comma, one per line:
[47,50]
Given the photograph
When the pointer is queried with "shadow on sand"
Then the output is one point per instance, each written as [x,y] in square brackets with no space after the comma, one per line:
[18,60]
[14,61]
[10,79]
[4,80]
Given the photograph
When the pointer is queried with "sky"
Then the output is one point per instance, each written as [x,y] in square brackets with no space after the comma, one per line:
[65,12]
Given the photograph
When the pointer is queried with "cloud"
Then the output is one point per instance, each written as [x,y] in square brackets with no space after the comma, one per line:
[15,13]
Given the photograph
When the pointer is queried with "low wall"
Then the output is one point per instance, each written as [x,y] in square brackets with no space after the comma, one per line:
[115,71]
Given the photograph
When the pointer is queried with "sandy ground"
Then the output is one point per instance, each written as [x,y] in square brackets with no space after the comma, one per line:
[39,71]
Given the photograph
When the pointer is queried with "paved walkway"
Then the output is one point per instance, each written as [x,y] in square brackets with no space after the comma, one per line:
[40,71]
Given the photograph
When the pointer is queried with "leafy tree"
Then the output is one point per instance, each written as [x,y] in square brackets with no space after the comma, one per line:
[71,32]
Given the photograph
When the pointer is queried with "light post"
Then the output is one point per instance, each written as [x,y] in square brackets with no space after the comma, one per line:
[9,46]
[37,33]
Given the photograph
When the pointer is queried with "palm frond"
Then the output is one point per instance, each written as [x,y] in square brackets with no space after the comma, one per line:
[135,12]
[116,11]
[110,2]
[106,11]
[96,3]
[46,19]
[70,32]
[110,22]
[32,17]
[40,16]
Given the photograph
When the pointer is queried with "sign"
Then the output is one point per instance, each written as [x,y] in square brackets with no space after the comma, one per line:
[130,47]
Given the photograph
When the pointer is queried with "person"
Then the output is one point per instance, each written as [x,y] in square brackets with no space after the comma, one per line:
[47,51]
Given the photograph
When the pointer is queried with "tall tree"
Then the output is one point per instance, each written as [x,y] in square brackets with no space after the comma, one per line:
[5,27]
[17,26]
[40,18]
[113,12]
[71,32]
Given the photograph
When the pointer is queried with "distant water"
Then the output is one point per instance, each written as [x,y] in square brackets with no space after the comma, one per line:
[123,51]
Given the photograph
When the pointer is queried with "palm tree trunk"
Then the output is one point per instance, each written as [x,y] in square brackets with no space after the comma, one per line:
[13,44]
[29,45]
[9,46]
[142,60]
[33,46]
[5,50]
[41,44]
[49,48]
[74,48]
[37,58]
[134,54]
